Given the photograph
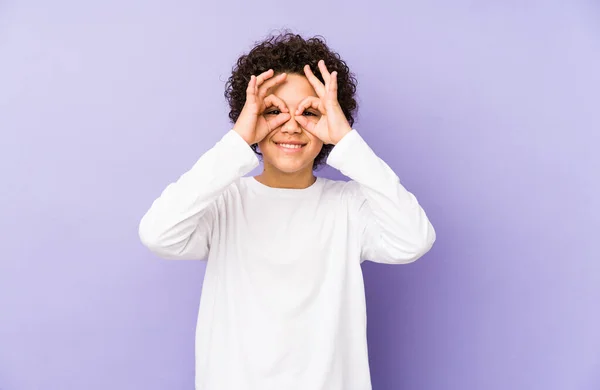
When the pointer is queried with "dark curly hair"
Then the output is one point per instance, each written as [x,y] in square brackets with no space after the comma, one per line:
[288,52]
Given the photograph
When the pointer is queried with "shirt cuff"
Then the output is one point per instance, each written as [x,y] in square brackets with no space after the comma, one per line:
[341,149]
[239,148]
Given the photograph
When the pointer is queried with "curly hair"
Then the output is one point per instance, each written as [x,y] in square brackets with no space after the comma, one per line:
[288,52]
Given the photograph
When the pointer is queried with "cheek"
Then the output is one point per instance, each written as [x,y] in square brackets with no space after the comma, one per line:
[262,144]
[266,144]
[263,148]
[316,147]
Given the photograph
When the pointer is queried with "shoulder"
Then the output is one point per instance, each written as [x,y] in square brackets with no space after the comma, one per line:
[348,191]
[346,186]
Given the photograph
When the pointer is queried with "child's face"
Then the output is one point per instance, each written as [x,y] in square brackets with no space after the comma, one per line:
[292,91]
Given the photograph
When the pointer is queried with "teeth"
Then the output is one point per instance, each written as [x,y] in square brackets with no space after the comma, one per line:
[289,146]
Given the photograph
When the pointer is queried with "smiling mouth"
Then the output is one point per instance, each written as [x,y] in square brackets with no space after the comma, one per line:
[289,147]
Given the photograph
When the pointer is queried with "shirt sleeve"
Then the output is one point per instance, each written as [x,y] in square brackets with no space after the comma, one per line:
[179,222]
[393,227]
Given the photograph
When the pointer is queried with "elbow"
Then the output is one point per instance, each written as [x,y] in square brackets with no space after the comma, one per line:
[428,242]
[170,244]
[152,239]
[428,239]
[147,236]
[425,242]
[419,246]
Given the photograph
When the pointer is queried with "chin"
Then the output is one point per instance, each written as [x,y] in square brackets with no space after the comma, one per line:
[289,167]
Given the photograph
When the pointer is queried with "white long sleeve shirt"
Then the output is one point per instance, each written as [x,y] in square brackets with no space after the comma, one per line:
[283,304]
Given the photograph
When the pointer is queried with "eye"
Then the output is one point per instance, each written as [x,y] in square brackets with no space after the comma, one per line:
[273,112]
[309,113]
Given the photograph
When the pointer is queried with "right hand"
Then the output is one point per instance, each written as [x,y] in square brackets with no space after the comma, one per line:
[251,125]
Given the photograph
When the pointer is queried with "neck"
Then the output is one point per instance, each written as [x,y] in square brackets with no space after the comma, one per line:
[295,180]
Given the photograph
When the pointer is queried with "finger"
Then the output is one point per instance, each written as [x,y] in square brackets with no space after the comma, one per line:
[332,88]
[308,102]
[324,72]
[314,81]
[251,84]
[273,100]
[305,123]
[264,89]
[278,120]
[251,87]
[264,76]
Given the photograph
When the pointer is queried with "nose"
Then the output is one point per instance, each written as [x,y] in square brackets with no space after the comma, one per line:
[291,126]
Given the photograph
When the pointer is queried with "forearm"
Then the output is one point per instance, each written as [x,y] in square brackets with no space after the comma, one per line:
[182,207]
[395,226]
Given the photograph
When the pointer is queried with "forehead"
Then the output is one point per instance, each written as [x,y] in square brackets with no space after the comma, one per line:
[294,89]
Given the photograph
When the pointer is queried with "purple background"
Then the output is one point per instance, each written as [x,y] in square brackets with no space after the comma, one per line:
[489,111]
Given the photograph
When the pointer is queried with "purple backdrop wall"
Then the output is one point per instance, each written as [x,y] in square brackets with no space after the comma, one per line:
[488,111]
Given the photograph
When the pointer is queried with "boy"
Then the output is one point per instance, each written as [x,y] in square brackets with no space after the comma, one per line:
[283,305]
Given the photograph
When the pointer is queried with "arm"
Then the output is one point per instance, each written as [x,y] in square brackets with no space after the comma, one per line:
[178,224]
[394,228]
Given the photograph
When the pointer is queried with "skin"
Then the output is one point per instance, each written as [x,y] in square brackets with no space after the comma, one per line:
[291,107]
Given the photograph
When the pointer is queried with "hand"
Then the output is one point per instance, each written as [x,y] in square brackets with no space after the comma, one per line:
[333,125]
[251,124]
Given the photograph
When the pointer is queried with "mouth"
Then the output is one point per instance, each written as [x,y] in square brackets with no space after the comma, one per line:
[290,148]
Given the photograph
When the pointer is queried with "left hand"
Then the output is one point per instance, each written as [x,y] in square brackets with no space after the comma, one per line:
[332,126]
